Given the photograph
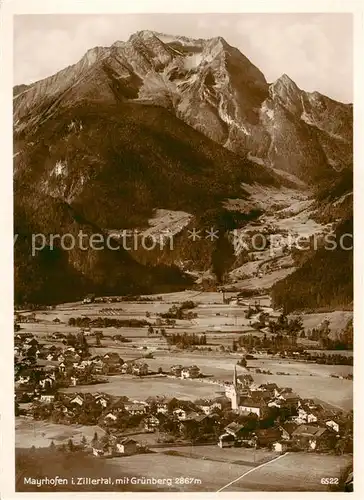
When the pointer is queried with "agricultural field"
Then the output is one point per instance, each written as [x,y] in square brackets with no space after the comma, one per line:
[209,475]
[329,391]
[29,432]
[239,456]
[294,472]
[142,388]
[290,472]
[309,380]
[221,323]
[205,468]
[338,320]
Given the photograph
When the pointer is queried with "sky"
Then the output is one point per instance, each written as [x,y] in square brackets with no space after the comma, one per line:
[315,50]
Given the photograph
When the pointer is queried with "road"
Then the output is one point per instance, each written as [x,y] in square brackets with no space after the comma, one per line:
[251,470]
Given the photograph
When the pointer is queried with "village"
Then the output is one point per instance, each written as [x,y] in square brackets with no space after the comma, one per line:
[146,387]
[245,413]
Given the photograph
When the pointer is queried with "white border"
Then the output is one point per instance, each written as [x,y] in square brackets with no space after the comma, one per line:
[11,7]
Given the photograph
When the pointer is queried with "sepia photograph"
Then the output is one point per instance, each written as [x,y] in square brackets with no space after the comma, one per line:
[183,252]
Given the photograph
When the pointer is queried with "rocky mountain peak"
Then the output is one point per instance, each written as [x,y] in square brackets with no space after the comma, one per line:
[145,34]
[286,91]
[219,40]
[95,54]
[211,86]
[284,85]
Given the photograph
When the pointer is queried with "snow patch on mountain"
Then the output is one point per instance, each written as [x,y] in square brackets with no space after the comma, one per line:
[60,169]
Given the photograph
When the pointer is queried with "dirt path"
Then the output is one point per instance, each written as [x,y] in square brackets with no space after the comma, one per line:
[251,470]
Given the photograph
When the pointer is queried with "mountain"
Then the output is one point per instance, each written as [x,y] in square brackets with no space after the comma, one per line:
[159,123]
[107,168]
[323,280]
[215,89]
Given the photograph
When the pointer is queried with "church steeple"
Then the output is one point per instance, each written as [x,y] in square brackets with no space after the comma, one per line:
[235,378]
[234,393]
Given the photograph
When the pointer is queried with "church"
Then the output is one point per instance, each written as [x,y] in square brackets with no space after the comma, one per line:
[239,394]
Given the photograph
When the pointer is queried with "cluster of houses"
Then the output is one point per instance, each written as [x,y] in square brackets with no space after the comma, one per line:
[40,370]
[308,425]
[26,318]
[185,371]
[280,438]
[115,446]
[67,357]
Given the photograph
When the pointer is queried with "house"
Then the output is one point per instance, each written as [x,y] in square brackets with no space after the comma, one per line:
[47,398]
[250,405]
[266,437]
[280,446]
[135,408]
[126,446]
[162,405]
[111,416]
[32,342]
[98,366]
[73,358]
[46,382]
[70,350]
[23,380]
[203,424]
[115,446]
[261,394]
[85,363]
[101,451]
[290,398]
[176,370]
[58,335]
[89,298]
[62,367]
[226,440]
[101,400]
[140,369]
[201,418]
[271,387]
[127,367]
[275,403]
[309,436]
[113,359]
[287,430]
[151,423]
[180,413]
[306,415]
[333,425]
[78,400]
[190,372]
[245,380]
[193,415]
[209,407]
[234,429]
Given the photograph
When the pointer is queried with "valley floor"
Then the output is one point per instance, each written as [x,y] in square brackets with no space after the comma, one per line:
[208,467]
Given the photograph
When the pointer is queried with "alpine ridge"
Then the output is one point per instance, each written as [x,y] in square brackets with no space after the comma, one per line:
[163,124]
[215,89]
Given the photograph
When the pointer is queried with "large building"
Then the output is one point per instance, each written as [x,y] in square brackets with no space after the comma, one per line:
[234,392]
[241,397]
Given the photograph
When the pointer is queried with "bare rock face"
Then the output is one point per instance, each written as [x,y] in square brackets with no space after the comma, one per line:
[211,86]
